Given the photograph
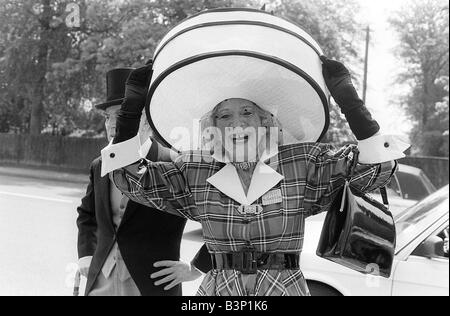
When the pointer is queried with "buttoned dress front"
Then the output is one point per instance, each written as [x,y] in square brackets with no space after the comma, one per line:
[308,176]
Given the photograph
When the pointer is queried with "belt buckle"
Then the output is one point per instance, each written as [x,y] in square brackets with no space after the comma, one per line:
[249,261]
[250,209]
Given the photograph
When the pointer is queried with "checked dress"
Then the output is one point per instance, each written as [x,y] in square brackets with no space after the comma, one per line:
[312,176]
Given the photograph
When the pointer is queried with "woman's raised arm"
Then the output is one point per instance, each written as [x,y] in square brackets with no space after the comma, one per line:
[161,184]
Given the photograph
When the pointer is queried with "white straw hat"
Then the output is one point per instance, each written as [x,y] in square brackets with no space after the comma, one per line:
[237,53]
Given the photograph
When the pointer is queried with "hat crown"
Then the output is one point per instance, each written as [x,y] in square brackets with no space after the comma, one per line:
[115,83]
[115,87]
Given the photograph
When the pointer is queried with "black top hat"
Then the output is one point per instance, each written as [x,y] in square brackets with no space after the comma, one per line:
[115,87]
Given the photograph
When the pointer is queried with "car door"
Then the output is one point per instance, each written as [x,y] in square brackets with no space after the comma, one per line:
[423,275]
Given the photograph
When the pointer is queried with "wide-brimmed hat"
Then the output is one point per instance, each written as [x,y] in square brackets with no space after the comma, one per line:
[115,87]
[237,53]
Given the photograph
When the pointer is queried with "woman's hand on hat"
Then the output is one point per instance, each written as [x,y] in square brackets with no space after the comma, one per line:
[339,82]
[136,89]
[129,116]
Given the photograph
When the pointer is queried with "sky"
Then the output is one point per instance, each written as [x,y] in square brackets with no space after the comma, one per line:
[383,66]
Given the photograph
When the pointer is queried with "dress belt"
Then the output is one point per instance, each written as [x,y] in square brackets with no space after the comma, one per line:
[249,261]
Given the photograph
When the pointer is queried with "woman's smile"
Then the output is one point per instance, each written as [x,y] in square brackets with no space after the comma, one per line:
[240,138]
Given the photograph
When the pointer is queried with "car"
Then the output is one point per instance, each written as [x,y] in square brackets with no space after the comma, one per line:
[408,186]
[420,267]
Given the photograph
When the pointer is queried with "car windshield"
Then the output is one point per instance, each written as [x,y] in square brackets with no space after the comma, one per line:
[413,220]
[392,188]
[414,187]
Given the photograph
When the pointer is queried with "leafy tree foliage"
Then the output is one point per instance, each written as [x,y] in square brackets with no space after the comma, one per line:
[52,73]
[423,28]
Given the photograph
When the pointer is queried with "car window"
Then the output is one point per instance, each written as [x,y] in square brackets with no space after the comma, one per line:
[427,182]
[412,186]
[414,220]
[393,190]
[437,245]
[412,216]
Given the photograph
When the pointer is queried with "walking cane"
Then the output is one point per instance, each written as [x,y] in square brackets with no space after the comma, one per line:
[76,286]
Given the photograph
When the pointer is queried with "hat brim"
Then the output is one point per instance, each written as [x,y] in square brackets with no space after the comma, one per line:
[185,92]
[104,106]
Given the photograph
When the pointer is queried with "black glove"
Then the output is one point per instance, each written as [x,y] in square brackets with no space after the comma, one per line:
[129,115]
[339,82]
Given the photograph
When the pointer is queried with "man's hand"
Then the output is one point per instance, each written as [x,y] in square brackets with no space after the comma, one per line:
[339,82]
[84,265]
[175,272]
[129,116]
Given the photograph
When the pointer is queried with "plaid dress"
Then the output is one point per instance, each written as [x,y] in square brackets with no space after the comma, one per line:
[313,174]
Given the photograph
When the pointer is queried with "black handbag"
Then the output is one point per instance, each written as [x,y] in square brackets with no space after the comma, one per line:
[359,232]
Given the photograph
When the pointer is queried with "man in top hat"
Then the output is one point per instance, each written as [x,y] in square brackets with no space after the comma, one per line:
[120,243]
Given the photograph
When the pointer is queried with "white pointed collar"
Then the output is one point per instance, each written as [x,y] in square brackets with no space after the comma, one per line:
[264,178]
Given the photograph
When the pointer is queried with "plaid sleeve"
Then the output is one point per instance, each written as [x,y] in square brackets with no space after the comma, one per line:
[329,168]
[160,185]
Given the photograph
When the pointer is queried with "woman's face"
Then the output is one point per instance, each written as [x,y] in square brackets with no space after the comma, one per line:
[238,121]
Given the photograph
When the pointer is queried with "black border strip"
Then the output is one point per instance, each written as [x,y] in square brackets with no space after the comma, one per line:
[201,57]
[236,22]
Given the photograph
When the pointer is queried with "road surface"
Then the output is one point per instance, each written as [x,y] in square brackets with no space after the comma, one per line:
[38,236]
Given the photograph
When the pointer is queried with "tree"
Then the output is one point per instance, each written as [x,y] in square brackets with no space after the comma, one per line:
[34,36]
[121,34]
[423,29]
[334,26]
[56,92]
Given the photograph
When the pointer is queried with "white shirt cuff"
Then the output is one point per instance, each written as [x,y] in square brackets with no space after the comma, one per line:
[116,156]
[145,148]
[381,148]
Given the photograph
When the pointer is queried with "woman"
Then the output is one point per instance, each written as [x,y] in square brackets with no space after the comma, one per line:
[253,196]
